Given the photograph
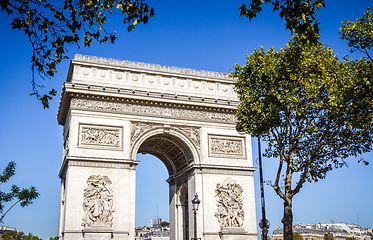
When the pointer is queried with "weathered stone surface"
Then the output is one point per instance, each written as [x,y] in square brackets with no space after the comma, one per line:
[112,110]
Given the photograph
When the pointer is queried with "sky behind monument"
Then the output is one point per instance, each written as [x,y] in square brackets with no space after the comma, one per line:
[206,35]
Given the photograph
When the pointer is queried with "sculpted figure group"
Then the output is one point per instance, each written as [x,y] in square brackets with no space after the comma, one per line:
[229,203]
[98,202]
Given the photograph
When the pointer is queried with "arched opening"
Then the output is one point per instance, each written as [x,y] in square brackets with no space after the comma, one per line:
[151,191]
[170,150]
[176,155]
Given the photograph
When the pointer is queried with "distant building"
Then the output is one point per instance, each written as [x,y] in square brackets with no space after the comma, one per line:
[316,231]
[154,232]
[157,235]
[156,223]
[4,229]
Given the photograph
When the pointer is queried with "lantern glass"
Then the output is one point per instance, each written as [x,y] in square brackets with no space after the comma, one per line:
[196,203]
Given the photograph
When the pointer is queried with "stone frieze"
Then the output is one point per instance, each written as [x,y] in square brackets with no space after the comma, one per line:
[152,110]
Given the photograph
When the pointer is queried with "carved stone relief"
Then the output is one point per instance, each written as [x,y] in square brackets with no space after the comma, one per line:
[98,202]
[137,128]
[193,133]
[152,110]
[227,146]
[100,136]
[65,147]
[229,204]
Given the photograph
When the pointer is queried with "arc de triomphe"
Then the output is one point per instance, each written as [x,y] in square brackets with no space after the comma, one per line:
[112,110]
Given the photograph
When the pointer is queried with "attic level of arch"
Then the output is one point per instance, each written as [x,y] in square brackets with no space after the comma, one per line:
[111,94]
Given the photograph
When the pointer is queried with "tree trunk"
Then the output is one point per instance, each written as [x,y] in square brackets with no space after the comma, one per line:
[288,220]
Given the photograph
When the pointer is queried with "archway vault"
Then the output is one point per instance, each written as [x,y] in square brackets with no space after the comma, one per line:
[171,145]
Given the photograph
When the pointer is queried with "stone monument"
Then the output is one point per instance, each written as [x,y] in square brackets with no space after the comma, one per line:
[111,110]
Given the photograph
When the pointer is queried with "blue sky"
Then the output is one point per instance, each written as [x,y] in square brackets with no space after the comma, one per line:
[206,35]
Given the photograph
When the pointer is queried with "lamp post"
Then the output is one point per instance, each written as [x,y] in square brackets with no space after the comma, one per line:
[195,203]
[264,223]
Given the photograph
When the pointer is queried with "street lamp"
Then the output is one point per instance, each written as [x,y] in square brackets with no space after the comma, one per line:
[264,223]
[195,203]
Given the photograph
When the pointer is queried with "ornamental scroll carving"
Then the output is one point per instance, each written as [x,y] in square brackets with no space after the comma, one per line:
[100,136]
[98,202]
[152,110]
[229,204]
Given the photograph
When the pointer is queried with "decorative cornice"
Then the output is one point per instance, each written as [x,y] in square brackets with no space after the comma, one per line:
[226,172]
[139,96]
[153,67]
[96,162]
[141,107]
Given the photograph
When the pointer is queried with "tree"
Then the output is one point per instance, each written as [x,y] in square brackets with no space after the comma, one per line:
[23,196]
[31,237]
[359,34]
[12,235]
[165,224]
[328,236]
[50,27]
[299,15]
[297,236]
[351,238]
[304,103]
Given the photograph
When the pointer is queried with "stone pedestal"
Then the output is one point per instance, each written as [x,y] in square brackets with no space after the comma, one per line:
[98,233]
[233,233]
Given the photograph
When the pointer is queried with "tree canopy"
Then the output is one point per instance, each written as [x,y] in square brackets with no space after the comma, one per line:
[51,26]
[13,235]
[24,196]
[299,15]
[312,109]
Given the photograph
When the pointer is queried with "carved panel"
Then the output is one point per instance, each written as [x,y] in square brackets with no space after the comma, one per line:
[134,108]
[100,136]
[138,127]
[229,204]
[227,146]
[98,202]
[194,133]
[66,146]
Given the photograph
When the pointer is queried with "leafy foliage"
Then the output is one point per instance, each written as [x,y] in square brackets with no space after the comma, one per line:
[359,34]
[328,236]
[50,27]
[165,224]
[299,15]
[24,196]
[297,236]
[12,235]
[312,110]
